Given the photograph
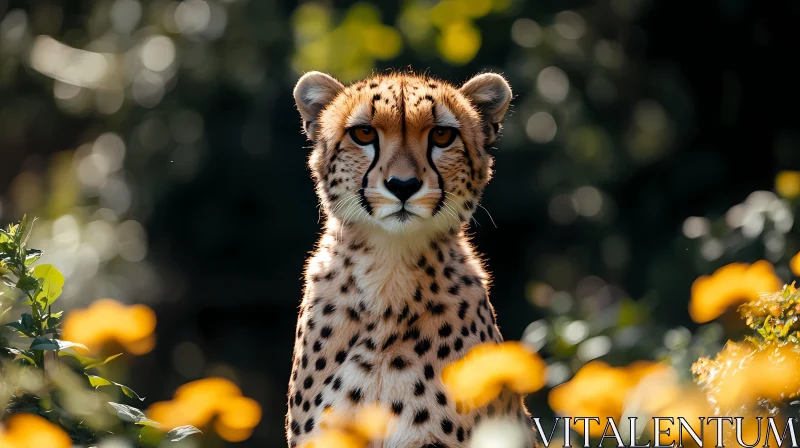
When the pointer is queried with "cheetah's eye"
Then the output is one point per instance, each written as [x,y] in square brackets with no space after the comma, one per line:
[363,135]
[442,137]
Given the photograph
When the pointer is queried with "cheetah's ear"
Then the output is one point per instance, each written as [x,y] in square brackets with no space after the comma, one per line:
[312,93]
[491,94]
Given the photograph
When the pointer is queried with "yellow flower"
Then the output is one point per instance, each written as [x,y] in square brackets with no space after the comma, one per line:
[743,374]
[371,423]
[795,264]
[480,376]
[459,42]
[29,430]
[787,184]
[599,390]
[337,438]
[693,406]
[729,286]
[198,402]
[109,321]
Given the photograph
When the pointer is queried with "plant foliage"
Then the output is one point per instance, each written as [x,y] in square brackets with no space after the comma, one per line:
[59,380]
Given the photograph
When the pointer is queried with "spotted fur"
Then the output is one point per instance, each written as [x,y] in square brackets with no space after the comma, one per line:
[394,292]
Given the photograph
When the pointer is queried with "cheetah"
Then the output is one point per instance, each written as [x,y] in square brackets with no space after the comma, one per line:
[394,291]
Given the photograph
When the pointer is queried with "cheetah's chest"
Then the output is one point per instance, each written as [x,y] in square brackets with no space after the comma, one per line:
[395,358]
[380,333]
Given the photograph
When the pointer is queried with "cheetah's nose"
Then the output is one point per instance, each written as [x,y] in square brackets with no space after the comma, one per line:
[403,188]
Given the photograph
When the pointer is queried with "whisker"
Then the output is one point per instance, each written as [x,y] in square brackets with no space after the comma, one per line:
[346,216]
[348,198]
[490,215]
[450,211]
[343,201]
[351,211]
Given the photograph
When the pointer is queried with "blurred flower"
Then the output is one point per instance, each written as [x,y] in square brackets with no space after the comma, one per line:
[664,394]
[728,286]
[599,390]
[688,402]
[198,402]
[459,42]
[28,430]
[370,423]
[794,264]
[109,321]
[787,184]
[502,432]
[336,438]
[480,376]
[347,50]
[742,374]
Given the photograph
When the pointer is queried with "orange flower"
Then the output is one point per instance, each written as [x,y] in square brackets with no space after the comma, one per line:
[692,405]
[28,430]
[795,264]
[742,374]
[729,286]
[480,376]
[107,320]
[599,390]
[787,184]
[198,402]
[371,423]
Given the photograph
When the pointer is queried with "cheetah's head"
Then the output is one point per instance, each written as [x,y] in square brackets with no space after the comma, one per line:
[405,152]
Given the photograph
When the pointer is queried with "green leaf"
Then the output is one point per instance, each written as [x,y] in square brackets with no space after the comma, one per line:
[84,360]
[102,363]
[181,432]
[52,283]
[20,327]
[27,284]
[129,392]
[32,256]
[53,323]
[24,354]
[130,413]
[97,381]
[24,325]
[42,343]
[11,230]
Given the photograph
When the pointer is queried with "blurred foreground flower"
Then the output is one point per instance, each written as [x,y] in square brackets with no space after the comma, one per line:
[480,376]
[109,321]
[502,432]
[742,374]
[198,402]
[787,184]
[599,390]
[728,286]
[794,264]
[665,395]
[28,431]
[765,368]
[371,423]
